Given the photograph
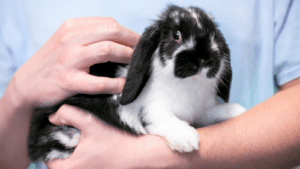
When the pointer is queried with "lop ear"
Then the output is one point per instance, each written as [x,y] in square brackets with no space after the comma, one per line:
[139,68]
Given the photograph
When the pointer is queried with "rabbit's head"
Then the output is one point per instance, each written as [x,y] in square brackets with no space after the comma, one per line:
[187,38]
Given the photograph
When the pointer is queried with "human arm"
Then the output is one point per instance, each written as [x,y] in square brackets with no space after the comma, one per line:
[58,70]
[266,136]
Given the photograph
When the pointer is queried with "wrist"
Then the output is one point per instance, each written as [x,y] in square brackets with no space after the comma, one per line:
[13,131]
[13,100]
[153,152]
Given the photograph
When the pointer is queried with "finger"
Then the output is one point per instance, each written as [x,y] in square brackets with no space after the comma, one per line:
[72,116]
[111,31]
[84,22]
[89,84]
[103,52]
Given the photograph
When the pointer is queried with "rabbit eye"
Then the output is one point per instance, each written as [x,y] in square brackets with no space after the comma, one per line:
[177,35]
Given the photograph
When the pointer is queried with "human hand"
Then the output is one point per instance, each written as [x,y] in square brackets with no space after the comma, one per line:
[104,146]
[100,145]
[61,67]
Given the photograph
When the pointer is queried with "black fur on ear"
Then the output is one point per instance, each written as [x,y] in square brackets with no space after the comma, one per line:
[140,66]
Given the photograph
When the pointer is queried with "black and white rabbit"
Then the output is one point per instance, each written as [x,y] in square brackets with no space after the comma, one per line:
[179,68]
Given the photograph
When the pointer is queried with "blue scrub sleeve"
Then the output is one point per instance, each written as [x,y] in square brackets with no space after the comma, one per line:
[287,41]
[15,45]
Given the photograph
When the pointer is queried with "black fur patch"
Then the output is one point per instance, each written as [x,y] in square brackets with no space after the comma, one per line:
[102,106]
[139,70]
[159,35]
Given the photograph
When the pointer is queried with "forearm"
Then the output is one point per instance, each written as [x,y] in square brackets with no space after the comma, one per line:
[14,127]
[264,137]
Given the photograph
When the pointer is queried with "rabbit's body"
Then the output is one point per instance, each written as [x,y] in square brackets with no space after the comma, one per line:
[179,68]
[165,94]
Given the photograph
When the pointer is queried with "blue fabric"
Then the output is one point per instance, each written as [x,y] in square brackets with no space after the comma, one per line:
[15,45]
[287,58]
[263,36]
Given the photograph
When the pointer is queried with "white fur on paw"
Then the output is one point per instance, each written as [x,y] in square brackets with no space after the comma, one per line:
[236,109]
[182,137]
[229,110]
[221,113]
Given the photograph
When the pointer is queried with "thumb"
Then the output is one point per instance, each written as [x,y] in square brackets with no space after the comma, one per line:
[72,116]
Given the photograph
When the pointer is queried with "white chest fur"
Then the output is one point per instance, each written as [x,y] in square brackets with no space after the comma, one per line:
[165,95]
[187,98]
[168,104]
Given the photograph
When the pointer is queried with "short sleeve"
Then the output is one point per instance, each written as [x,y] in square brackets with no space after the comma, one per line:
[287,41]
[15,45]
[7,67]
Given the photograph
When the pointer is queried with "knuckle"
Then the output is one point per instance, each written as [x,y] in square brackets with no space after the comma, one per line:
[113,26]
[67,31]
[59,114]
[111,20]
[105,48]
[68,24]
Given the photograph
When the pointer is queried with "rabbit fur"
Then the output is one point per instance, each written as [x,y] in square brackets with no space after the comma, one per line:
[179,69]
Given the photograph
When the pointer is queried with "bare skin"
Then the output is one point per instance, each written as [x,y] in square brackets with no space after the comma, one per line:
[266,136]
[58,70]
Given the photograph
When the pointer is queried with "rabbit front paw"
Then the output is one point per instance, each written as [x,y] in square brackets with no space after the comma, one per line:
[180,137]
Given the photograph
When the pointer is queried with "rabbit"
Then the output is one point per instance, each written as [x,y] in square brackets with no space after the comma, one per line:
[179,70]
